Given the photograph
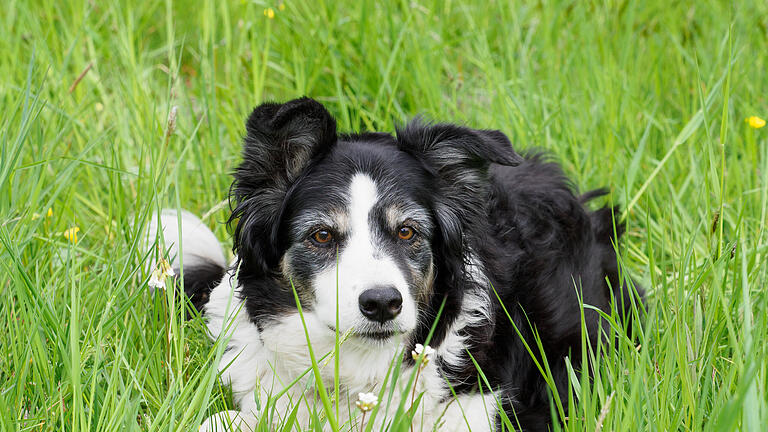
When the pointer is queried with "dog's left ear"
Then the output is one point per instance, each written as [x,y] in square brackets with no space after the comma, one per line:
[459,157]
[457,154]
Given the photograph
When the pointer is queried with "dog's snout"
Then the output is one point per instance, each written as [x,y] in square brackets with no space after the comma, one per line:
[381,304]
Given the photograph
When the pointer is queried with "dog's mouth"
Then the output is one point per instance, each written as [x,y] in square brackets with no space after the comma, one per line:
[378,335]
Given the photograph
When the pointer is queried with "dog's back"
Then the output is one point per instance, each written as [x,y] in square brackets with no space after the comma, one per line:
[553,254]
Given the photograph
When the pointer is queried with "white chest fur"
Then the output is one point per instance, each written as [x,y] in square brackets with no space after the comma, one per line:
[275,362]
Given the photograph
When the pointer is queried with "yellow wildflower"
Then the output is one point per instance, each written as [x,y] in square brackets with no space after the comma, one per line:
[37,215]
[755,122]
[71,234]
[281,6]
[269,13]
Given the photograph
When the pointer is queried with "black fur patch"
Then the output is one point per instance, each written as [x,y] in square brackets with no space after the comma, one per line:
[199,280]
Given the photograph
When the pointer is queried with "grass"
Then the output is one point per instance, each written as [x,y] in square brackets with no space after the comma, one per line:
[648,97]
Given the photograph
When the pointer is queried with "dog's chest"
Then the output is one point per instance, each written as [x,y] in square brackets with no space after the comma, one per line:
[259,365]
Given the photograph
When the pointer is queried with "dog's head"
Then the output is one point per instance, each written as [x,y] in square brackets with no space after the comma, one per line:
[373,224]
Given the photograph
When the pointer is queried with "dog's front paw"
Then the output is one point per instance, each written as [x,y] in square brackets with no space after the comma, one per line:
[229,421]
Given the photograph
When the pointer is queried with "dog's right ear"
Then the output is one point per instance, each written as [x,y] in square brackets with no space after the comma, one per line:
[280,142]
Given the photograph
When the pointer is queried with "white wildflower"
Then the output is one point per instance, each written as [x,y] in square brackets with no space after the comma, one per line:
[366,401]
[426,349]
[159,274]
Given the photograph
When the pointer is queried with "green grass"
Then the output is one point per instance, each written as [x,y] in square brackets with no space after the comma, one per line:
[648,97]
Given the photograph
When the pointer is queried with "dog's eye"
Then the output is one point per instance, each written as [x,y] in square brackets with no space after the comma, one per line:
[405,233]
[322,237]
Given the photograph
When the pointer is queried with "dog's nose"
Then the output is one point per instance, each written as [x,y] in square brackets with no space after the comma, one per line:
[381,304]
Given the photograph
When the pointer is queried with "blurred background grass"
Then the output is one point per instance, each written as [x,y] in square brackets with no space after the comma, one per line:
[647,97]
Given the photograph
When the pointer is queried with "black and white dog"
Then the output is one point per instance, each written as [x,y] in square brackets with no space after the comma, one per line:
[390,232]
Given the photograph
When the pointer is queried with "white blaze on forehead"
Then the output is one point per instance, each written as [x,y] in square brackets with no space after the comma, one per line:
[362,198]
[362,265]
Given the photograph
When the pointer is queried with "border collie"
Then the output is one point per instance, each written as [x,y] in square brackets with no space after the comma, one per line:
[440,234]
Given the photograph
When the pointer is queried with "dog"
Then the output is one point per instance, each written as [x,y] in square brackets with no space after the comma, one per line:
[439,235]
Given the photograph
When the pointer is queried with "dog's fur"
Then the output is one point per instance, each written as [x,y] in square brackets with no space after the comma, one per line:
[489,224]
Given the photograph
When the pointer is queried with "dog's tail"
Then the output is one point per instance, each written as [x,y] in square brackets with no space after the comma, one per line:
[201,256]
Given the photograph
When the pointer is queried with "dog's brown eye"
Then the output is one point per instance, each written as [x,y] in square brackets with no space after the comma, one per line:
[405,233]
[322,237]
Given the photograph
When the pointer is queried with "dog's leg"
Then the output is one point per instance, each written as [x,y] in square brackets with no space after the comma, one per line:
[227,421]
[473,412]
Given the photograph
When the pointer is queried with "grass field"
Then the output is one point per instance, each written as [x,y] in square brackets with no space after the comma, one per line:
[648,97]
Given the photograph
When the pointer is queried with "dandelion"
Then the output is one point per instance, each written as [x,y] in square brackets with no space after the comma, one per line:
[281,6]
[71,234]
[755,122]
[162,270]
[269,13]
[426,350]
[366,401]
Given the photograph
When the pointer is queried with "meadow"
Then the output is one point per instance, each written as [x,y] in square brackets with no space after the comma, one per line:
[647,97]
